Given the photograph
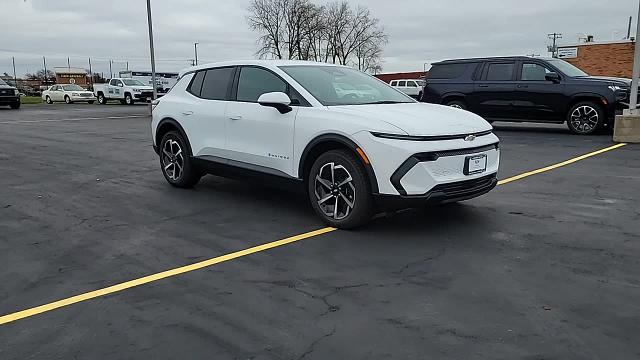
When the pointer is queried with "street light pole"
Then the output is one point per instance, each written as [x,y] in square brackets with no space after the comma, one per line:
[195,50]
[153,59]
[633,102]
[15,78]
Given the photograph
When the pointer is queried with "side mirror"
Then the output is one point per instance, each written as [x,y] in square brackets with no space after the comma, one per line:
[278,100]
[120,85]
[553,77]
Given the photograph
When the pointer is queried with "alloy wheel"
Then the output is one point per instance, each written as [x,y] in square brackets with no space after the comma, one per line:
[172,159]
[584,119]
[334,190]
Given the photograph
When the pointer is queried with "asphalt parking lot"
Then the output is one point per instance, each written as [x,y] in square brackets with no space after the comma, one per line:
[543,267]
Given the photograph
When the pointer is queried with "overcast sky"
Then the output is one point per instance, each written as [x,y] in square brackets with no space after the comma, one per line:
[419,30]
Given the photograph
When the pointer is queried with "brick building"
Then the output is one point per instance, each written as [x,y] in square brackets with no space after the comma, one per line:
[400,76]
[607,58]
[71,76]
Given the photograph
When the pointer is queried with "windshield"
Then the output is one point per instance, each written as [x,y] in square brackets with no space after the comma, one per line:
[2,82]
[132,82]
[567,68]
[72,88]
[337,85]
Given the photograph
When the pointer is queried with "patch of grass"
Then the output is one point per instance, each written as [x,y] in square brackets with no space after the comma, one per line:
[30,100]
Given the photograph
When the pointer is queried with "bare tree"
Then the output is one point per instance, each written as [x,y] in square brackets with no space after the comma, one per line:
[299,29]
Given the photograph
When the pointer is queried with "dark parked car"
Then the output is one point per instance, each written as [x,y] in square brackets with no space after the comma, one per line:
[528,89]
[9,95]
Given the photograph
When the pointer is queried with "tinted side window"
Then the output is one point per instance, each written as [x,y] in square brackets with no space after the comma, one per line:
[196,83]
[216,82]
[112,83]
[411,84]
[533,72]
[394,83]
[254,82]
[500,72]
[402,83]
[447,71]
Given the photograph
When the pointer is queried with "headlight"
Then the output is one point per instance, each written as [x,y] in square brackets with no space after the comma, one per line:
[615,88]
[16,92]
[75,94]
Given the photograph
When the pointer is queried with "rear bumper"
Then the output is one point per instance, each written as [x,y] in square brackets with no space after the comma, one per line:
[443,193]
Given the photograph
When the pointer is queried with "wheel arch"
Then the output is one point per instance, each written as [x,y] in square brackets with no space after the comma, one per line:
[166,125]
[452,96]
[589,97]
[327,142]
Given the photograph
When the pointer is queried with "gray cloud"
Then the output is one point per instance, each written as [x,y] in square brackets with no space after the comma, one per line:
[420,31]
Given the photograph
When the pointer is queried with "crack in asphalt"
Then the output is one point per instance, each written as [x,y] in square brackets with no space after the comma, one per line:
[423,260]
[315,342]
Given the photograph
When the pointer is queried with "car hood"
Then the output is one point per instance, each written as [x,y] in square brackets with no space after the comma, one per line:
[608,80]
[419,119]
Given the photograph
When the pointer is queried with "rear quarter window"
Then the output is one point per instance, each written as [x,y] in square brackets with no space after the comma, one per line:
[447,71]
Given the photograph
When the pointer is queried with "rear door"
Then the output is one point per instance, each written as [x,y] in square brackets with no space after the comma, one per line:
[260,137]
[494,92]
[536,98]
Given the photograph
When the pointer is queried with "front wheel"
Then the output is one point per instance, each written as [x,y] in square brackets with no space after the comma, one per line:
[101,99]
[339,190]
[91,102]
[585,118]
[128,99]
[48,100]
[15,105]
[176,163]
[67,99]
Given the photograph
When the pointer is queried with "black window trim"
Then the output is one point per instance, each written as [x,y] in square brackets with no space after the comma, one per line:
[229,85]
[234,90]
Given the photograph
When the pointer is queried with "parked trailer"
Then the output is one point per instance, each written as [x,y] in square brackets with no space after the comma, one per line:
[164,80]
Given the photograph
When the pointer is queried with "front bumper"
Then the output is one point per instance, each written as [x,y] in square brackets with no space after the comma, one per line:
[82,98]
[440,194]
[8,100]
[143,96]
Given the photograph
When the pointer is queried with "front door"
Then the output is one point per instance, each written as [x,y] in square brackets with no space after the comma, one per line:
[536,98]
[494,93]
[57,94]
[259,135]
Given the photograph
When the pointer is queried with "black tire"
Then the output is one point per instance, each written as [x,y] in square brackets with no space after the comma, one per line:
[173,143]
[585,118]
[91,102]
[458,104]
[67,99]
[357,191]
[128,99]
[48,100]
[101,99]
[15,105]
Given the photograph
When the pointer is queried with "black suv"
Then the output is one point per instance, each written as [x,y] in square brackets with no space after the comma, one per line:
[527,89]
[9,95]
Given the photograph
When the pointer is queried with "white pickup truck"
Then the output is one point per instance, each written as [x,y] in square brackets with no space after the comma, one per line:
[128,91]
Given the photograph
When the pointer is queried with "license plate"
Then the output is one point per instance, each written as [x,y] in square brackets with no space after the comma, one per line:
[475,164]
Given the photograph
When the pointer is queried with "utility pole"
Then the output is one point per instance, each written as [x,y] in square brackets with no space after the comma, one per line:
[195,51]
[68,63]
[90,74]
[44,61]
[633,102]
[627,127]
[153,59]
[110,70]
[553,49]
[15,78]
[629,28]
[127,66]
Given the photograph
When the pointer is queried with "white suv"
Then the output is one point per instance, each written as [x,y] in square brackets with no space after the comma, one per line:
[353,154]
[410,87]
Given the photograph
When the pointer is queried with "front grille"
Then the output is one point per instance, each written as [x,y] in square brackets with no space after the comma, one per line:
[6,92]
[147,94]
[86,95]
[464,187]
[433,156]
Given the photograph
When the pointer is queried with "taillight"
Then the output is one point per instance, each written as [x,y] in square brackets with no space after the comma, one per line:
[154,103]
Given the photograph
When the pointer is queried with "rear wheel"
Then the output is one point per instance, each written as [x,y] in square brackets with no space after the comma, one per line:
[585,118]
[458,104]
[175,161]
[339,190]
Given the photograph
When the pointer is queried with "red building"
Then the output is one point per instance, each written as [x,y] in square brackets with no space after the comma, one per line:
[400,76]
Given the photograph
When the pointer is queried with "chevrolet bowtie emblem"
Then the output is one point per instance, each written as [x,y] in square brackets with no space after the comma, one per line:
[470,138]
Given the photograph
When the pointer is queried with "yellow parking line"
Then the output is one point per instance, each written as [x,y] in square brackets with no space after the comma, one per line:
[155,277]
[555,166]
[238,254]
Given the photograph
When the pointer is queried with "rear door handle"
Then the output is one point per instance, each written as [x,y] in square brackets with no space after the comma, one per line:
[237,117]
[187,113]
[519,86]
[483,86]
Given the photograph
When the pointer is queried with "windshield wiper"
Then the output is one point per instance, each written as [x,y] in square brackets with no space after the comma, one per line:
[385,102]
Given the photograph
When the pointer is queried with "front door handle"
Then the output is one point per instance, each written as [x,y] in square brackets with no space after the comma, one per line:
[522,86]
[187,113]
[237,117]
[483,86]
